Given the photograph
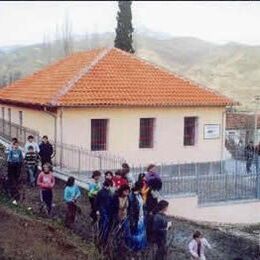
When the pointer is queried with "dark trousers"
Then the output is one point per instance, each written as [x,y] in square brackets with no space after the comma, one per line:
[93,213]
[249,165]
[70,214]
[14,173]
[161,253]
[46,197]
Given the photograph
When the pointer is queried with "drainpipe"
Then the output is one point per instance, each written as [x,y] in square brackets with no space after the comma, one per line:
[223,139]
[54,115]
[61,137]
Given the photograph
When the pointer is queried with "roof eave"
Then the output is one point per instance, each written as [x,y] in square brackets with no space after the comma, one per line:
[27,104]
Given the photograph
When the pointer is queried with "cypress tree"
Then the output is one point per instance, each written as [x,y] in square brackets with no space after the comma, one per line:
[124,30]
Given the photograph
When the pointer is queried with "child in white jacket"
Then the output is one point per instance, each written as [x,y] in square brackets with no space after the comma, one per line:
[197,246]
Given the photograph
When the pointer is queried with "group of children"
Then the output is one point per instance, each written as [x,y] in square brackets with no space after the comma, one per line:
[128,212]
[36,158]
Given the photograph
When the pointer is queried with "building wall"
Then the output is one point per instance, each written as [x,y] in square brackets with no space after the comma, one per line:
[34,119]
[123,133]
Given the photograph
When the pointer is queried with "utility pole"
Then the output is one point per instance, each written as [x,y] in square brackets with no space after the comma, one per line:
[256,99]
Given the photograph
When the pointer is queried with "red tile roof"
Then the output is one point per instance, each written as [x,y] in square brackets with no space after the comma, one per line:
[108,77]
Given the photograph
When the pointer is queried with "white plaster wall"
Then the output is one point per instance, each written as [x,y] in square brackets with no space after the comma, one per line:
[32,118]
[246,212]
[123,133]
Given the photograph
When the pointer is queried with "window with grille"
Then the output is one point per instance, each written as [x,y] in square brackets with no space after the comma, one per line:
[21,118]
[9,115]
[146,133]
[99,134]
[190,130]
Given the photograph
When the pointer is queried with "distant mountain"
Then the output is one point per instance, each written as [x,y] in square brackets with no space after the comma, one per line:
[233,69]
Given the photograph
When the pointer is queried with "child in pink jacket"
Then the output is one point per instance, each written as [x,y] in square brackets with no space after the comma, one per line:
[46,182]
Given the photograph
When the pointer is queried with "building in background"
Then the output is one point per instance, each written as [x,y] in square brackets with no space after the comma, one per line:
[107,100]
[240,126]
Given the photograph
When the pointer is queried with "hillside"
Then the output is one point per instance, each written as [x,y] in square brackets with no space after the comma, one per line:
[232,69]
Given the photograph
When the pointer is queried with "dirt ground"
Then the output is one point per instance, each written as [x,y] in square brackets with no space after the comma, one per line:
[24,238]
[37,241]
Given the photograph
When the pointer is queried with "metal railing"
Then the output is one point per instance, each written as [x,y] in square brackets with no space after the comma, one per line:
[214,181]
[66,157]
[81,161]
[210,181]
[10,130]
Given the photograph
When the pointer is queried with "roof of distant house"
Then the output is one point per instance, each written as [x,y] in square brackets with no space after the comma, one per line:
[236,121]
[108,77]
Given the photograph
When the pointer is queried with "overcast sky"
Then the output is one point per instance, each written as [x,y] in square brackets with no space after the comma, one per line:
[219,22]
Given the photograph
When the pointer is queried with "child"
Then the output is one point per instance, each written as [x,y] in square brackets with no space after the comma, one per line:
[31,160]
[160,227]
[9,148]
[71,195]
[118,180]
[46,150]
[46,181]
[108,175]
[127,174]
[31,142]
[152,174]
[93,187]
[103,206]
[14,160]
[197,246]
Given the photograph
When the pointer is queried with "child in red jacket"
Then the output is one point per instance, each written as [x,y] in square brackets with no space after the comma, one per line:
[119,180]
[46,182]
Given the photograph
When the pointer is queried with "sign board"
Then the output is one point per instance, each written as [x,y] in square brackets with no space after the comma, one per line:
[211,131]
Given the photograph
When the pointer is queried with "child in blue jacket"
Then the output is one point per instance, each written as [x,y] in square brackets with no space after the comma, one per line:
[71,195]
[14,160]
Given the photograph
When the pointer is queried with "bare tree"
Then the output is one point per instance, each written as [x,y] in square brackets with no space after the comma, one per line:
[47,48]
[67,37]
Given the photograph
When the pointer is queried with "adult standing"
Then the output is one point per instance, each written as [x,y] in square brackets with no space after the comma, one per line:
[46,150]
[119,212]
[257,158]
[136,238]
[249,154]
[103,207]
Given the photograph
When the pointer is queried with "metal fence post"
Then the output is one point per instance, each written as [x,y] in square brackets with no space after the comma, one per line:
[161,170]
[79,160]
[100,161]
[179,169]
[197,178]
[61,156]
[257,184]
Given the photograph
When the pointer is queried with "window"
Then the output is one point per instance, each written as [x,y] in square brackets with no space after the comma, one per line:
[190,129]
[98,134]
[9,115]
[21,118]
[146,132]
[3,113]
